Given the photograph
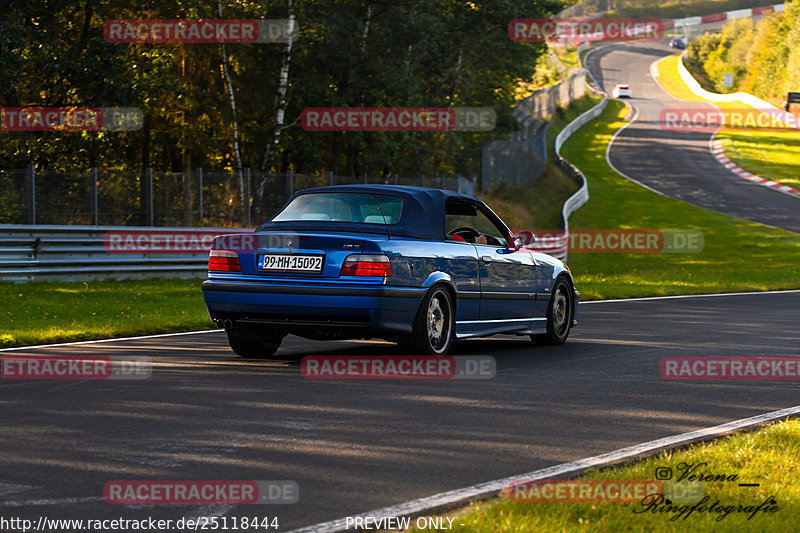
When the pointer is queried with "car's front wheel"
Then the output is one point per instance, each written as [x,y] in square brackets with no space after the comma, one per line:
[559,314]
[432,331]
[255,348]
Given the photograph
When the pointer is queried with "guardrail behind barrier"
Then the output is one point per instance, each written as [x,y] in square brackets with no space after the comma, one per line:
[581,196]
[80,253]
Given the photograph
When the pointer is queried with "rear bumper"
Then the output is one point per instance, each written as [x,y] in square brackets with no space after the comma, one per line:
[313,306]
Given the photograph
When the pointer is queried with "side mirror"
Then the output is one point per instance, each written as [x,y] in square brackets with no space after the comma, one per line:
[525,238]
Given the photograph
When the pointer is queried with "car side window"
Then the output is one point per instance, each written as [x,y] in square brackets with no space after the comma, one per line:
[464,220]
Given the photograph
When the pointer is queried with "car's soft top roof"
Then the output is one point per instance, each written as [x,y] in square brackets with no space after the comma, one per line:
[422,216]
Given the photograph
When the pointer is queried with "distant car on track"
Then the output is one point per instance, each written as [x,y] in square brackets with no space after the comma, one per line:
[622,91]
[415,265]
[677,42]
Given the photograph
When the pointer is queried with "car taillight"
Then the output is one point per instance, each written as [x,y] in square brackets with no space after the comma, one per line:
[366,265]
[223,261]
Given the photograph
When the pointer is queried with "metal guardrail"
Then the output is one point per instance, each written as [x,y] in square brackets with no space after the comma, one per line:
[83,253]
[560,248]
[80,253]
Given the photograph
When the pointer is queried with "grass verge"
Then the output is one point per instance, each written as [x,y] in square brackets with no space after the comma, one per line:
[769,457]
[769,261]
[48,312]
[774,155]
[567,54]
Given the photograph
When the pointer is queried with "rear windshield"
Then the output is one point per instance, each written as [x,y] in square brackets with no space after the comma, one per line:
[343,207]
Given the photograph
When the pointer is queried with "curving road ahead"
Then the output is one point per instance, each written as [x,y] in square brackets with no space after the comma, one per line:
[678,164]
[358,445]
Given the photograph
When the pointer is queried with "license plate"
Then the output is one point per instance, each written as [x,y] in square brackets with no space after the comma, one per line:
[290,263]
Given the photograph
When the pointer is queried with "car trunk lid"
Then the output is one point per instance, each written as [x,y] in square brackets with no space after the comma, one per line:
[287,255]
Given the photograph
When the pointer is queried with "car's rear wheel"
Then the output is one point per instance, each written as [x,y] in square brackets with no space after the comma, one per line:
[559,314]
[251,348]
[432,330]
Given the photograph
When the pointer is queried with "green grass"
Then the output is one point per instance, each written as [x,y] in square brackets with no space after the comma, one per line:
[567,54]
[47,312]
[769,456]
[670,79]
[738,255]
[564,116]
[771,155]
[774,155]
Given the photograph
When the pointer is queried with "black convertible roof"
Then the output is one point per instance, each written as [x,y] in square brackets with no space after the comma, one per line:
[422,216]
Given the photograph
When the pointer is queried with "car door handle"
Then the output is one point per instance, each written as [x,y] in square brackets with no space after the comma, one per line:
[487,260]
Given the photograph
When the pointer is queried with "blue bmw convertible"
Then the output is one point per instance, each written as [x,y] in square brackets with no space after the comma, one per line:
[418,266]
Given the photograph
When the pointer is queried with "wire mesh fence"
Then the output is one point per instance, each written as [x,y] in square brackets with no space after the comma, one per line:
[215,199]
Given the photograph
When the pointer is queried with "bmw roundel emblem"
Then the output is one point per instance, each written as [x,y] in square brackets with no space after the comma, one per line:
[289,243]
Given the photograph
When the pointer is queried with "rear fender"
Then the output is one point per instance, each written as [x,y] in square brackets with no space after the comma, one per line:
[442,278]
[439,277]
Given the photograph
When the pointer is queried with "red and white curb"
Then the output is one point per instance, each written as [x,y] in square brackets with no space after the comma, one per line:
[719,155]
[728,15]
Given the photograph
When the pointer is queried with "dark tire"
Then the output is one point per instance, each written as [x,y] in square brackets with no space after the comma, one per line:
[432,330]
[255,348]
[559,314]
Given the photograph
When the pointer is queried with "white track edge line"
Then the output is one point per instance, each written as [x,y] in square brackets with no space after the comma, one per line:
[491,488]
[645,298]
[681,296]
[115,339]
